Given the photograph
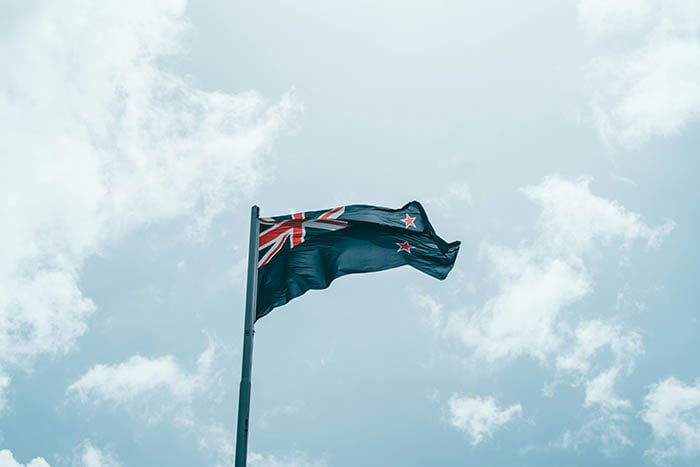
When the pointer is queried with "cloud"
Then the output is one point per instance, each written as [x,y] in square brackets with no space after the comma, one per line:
[536,281]
[479,417]
[8,460]
[100,139]
[522,319]
[652,87]
[161,391]
[672,410]
[608,431]
[214,439]
[456,193]
[593,337]
[599,391]
[90,456]
[218,442]
[150,387]
[603,352]
[573,221]
[298,459]
[433,312]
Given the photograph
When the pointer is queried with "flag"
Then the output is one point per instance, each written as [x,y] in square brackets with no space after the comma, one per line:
[308,250]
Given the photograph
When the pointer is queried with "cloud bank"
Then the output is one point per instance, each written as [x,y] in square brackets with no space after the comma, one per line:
[536,282]
[100,139]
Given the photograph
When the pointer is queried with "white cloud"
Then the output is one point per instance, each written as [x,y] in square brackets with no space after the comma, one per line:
[522,319]
[538,280]
[91,456]
[603,352]
[599,391]
[100,139]
[150,387]
[161,391]
[574,221]
[593,337]
[653,87]
[8,460]
[298,459]
[672,410]
[479,417]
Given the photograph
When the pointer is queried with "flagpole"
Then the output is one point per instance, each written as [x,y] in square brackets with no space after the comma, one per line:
[248,333]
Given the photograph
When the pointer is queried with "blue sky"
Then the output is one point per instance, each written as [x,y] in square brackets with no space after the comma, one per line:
[556,139]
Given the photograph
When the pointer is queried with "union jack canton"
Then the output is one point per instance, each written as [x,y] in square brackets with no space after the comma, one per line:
[275,232]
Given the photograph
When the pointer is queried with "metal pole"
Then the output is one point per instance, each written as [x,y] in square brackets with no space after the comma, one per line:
[248,333]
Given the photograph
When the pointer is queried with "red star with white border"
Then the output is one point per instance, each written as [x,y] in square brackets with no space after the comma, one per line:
[405,246]
[409,221]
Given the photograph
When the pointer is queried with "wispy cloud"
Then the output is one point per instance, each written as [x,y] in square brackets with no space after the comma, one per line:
[651,87]
[455,194]
[594,337]
[600,391]
[603,353]
[672,410]
[99,139]
[479,417]
[298,459]
[90,456]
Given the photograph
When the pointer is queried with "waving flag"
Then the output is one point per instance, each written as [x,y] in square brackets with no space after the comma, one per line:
[289,255]
[308,250]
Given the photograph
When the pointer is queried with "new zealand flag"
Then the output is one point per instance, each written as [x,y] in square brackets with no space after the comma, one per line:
[308,250]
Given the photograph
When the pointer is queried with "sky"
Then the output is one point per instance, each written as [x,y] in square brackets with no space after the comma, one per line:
[554,138]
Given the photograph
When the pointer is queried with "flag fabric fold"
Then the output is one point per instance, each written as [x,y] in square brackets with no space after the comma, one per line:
[308,250]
